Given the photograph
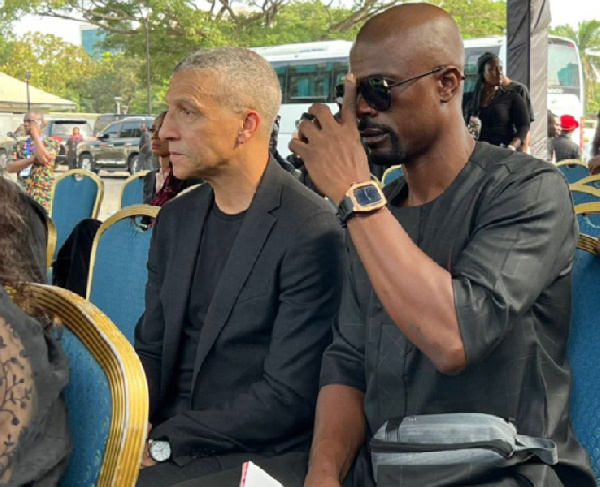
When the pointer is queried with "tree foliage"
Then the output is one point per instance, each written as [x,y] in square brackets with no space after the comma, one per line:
[587,38]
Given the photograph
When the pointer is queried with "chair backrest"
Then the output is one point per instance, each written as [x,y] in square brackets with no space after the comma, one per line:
[51,247]
[590,181]
[584,194]
[77,195]
[391,174]
[573,169]
[118,273]
[132,191]
[107,395]
[583,346]
[588,217]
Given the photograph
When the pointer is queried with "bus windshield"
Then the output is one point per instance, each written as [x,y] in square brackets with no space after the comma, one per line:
[563,65]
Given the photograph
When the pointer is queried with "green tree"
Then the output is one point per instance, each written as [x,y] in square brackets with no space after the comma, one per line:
[55,66]
[587,38]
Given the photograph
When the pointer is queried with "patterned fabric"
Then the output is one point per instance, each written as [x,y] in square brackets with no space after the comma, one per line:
[589,224]
[170,188]
[584,343]
[574,173]
[119,275]
[39,182]
[90,411]
[580,197]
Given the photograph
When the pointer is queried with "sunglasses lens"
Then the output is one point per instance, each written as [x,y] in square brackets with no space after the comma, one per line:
[376,93]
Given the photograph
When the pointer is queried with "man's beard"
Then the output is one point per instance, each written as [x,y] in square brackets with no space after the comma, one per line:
[395,155]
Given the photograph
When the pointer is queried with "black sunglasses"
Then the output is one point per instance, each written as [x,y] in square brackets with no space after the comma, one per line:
[377,91]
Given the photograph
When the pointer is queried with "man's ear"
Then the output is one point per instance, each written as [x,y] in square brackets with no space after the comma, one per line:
[250,126]
[450,82]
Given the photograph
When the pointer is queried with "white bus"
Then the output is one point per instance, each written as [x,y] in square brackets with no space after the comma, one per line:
[309,72]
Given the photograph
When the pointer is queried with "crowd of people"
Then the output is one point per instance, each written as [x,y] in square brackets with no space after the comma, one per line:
[310,341]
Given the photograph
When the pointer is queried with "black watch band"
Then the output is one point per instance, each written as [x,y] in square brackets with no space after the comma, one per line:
[345,210]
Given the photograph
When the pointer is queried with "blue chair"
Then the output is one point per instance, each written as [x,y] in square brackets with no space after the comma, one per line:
[588,217]
[584,194]
[573,169]
[107,395]
[583,346]
[590,181]
[77,195]
[118,273]
[391,174]
[132,191]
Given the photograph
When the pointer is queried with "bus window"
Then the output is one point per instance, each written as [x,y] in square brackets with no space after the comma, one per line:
[308,83]
[563,66]
[280,71]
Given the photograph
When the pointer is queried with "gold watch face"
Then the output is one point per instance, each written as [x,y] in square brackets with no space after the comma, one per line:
[367,196]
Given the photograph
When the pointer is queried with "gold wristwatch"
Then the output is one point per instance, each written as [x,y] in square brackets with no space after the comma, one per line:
[363,198]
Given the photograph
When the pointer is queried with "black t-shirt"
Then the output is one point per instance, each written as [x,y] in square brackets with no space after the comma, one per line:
[523,92]
[218,236]
[505,118]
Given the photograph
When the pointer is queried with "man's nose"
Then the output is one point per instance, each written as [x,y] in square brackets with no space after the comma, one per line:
[168,129]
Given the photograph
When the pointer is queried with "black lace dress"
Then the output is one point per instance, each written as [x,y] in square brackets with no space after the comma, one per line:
[34,440]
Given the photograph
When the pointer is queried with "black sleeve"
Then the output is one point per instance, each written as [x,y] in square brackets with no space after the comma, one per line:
[281,404]
[519,117]
[523,239]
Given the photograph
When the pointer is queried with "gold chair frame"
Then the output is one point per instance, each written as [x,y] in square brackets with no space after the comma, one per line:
[126,378]
[585,189]
[83,173]
[584,182]
[130,211]
[571,162]
[133,177]
[51,246]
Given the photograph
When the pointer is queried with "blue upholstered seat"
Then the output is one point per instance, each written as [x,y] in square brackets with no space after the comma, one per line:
[573,171]
[132,192]
[118,273]
[107,394]
[391,174]
[77,195]
[584,344]
[89,403]
[588,217]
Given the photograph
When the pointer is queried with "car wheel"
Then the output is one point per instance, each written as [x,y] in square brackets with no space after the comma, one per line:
[134,164]
[86,162]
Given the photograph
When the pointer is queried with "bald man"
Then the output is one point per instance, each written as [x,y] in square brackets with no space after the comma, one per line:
[458,282]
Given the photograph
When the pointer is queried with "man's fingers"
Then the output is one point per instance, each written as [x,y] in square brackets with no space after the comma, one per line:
[349,102]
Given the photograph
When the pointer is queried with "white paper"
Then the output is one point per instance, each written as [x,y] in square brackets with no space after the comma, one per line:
[26,171]
[254,476]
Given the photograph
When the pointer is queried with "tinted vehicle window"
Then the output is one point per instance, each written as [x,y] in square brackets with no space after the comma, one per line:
[112,130]
[131,129]
[65,129]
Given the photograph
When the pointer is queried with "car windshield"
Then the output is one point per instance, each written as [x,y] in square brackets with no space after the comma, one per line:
[66,129]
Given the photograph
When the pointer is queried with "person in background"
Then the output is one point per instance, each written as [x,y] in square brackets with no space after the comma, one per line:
[502,112]
[33,423]
[33,160]
[523,92]
[594,162]
[71,147]
[563,145]
[553,131]
[145,150]
[275,152]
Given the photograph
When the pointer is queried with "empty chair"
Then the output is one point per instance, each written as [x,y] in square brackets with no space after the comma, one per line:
[118,274]
[77,195]
[391,174]
[132,191]
[107,395]
[583,346]
[573,169]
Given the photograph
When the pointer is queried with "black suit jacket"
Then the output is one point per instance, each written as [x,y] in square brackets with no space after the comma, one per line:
[255,379]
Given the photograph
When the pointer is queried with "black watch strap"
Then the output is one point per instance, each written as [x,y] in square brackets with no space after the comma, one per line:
[345,210]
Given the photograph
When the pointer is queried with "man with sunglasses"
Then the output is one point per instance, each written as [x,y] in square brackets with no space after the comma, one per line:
[457,289]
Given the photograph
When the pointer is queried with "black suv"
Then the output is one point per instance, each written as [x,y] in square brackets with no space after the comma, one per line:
[116,147]
[60,130]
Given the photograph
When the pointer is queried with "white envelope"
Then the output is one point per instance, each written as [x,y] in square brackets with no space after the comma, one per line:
[254,476]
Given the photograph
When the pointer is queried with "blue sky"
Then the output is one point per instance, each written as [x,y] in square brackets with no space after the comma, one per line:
[563,12]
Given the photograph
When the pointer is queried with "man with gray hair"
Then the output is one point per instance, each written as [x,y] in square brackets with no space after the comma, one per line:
[244,279]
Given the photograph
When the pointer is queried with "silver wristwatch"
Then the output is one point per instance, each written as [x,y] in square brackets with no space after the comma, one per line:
[159,450]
